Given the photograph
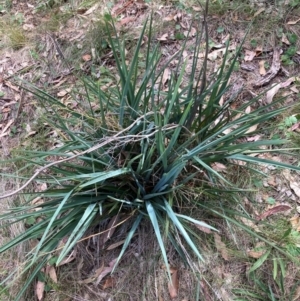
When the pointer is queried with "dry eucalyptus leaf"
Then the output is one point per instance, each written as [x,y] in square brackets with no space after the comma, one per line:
[43,187]
[173,285]
[126,20]
[197,8]
[262,70]
[248,110]
[285,40]
[252,129]
[272,92]
[169,18]
[115,245]
[205,290]
[91,10]
[166,76]
[221,247]
[274,210]
[28,27]
[295,186]
[164,37]
[249,55]
[293,22]
[111,227]
[52,274]
[295,222]
[297,294]
[203,229]
[259,12]
[218,166]
[256,254]
[253,138]
[295,127]
[86,57]
[249,223]
[68,259]
[109,282]
[39,290]
[106,271]
[63,93]
[294,89]
[289,81]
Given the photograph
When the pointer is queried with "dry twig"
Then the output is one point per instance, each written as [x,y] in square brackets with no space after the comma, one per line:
[104,142]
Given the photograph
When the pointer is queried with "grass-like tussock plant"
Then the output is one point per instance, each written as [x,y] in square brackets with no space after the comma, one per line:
[143,154]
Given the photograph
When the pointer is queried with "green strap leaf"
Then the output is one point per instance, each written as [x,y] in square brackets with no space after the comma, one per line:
[153,218]
[180,227]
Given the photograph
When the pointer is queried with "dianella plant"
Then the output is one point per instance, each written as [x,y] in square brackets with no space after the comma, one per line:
[140,149]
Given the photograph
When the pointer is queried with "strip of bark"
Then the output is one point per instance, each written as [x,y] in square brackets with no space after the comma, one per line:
[275,67]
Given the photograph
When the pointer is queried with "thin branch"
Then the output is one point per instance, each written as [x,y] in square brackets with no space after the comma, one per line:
[91,149]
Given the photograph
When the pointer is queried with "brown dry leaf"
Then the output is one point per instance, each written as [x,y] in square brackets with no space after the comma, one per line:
[295,186]
[248,110]
[252,129]
[39,290]
[218,167]
[271,181]
[13,87]
[115,245]
[197,8]
[293,22]
[166,76]
[259,12]
[173,285]
[295,222]
[109,282]
[91,10]
[52,274]
[262,70]
[86,57]
[169,18]
[250,224]
[28,27]
[274,210]
[294,89]
[249,55]
[94,276]
[203,229]
[205,290]
[271,93]
[253,138]
[4,130]
[221,247]
[258,251]
[106,270]
[215,54]
[177,17]
[289,81]
[295,126]
[127,20]
[256,254]
[42,187]
[111,229]
[225,39]
[68,259]
[63,93]
[285,40]
[296,296]
[164,37]
[258,50]
[193,31]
